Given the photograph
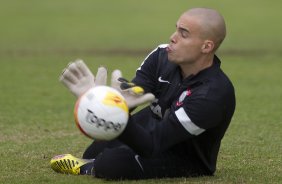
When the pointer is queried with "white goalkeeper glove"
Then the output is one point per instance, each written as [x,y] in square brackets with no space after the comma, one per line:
[78,78]
[134,95]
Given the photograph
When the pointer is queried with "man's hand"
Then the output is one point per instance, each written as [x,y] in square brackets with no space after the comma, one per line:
[134,95]
[78,78]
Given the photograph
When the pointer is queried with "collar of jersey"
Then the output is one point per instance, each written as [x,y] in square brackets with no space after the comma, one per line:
[205,74]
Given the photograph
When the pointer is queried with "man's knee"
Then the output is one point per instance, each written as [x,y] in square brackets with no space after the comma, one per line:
[98,146]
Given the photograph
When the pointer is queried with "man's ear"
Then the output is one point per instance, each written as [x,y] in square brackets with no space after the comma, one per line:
[208,46]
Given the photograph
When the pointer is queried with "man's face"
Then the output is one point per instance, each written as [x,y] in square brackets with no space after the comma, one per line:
[185,43]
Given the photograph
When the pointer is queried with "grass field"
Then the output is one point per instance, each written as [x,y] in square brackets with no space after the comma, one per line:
[38,39]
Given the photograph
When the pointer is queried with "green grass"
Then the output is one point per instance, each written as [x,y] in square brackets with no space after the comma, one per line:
[39,38]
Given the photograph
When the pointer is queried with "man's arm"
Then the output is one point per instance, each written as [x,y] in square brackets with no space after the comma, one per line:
[181,124]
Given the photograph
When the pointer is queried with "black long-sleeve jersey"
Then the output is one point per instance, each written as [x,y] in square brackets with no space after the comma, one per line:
[189,116]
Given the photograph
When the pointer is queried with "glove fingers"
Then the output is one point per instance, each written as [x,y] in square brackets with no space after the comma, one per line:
[148,97]
[66,82]
[68,77]
[131,88]
[125,86]
[136,90]
[73,67]
[115,83]
[82,68]
[101,77]
[121,79]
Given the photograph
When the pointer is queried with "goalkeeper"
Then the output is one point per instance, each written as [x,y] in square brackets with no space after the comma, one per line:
[191,100]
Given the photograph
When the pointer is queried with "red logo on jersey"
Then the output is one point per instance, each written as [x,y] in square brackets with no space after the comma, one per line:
[189,93]
[179,104]
[182,97]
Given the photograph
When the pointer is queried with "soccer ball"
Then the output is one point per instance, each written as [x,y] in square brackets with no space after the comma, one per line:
[101,113]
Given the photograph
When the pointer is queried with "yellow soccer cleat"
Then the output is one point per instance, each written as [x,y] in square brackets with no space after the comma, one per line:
[68,164]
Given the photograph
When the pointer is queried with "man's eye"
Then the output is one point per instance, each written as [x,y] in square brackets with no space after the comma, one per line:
[184,35]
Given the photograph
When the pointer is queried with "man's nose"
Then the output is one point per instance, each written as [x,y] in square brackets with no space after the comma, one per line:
[173,38]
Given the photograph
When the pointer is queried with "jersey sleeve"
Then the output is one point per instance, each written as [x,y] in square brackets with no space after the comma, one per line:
[146,74]
[199,115]
[180,125]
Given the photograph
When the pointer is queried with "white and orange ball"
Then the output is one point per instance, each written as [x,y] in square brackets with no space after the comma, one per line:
[101,113]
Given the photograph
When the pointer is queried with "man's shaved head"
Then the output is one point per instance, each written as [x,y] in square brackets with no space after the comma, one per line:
[211,22]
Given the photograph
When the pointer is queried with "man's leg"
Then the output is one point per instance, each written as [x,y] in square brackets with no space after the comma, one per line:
[118,163]
[97,147]
[124,163]
[169,165]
